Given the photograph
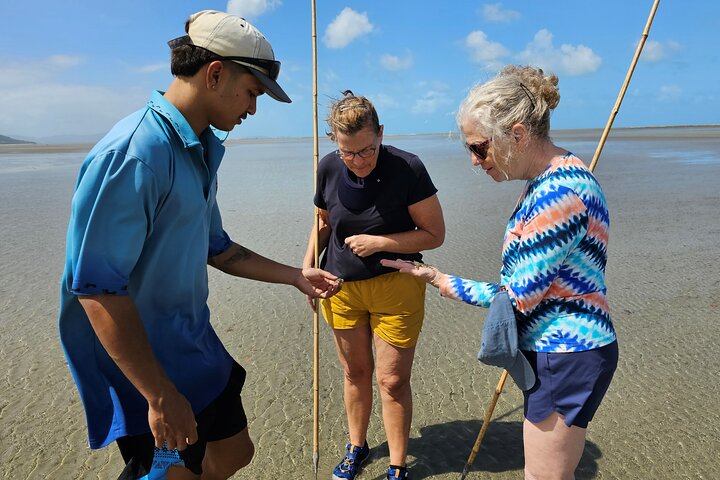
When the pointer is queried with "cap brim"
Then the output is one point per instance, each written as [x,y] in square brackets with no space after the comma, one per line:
[271,86]
[521,372]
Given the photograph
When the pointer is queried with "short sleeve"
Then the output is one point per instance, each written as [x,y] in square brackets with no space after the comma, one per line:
[112,212]
[319,201]
[219,239]
[322,179]
[423,186]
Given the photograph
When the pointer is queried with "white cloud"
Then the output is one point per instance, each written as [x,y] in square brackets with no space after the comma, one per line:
[484,51]
[64,61]
[568,59]
[434,99]
[47,107]
[395,64]
[152,68]
[669,93]
[14,75]
[654,51]
[493,12]
[331,76]
[383,101]
[251,8]
[346,27]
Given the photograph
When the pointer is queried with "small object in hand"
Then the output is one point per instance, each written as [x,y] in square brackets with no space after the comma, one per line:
[432,281]
[420,264]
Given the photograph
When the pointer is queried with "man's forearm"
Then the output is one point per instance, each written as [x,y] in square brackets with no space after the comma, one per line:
[117,325]
[242,262]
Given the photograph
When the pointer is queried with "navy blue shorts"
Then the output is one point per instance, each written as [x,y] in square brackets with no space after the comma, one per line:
[572,384]
[222,419]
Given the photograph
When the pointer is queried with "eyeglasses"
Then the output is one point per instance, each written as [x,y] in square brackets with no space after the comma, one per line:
[480,150]
[272,67]
[366,152]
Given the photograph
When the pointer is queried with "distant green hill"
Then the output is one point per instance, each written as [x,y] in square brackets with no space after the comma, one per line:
[9,140]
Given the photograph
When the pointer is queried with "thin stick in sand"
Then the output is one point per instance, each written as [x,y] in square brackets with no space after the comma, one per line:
[316,319]
[486,422]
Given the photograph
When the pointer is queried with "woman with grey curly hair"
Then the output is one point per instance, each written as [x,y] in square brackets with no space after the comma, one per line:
[554,256]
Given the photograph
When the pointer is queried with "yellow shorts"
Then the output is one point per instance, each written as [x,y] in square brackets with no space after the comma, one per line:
[392,304]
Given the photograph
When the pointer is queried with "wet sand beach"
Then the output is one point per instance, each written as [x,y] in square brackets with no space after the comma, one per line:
[660,419]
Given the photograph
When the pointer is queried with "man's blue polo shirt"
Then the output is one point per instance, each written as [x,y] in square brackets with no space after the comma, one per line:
[144,221]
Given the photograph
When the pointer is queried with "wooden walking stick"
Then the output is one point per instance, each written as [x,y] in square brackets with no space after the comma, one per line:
[486,422]
[613,113]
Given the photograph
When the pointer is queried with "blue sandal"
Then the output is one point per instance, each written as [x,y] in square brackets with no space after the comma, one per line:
[349,466]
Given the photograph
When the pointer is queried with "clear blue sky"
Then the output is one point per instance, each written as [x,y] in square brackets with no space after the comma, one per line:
[74,68]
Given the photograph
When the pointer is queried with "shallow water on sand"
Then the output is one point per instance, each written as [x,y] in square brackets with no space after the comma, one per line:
[659,420]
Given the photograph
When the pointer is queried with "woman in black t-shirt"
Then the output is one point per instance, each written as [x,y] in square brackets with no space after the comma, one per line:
[375,201]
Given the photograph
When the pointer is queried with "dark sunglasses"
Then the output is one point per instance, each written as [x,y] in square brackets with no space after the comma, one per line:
[270,66]
[480,150]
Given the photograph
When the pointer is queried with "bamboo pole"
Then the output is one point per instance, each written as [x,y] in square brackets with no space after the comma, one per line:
[621,95]
[316,318]
[613,113]
[486,422]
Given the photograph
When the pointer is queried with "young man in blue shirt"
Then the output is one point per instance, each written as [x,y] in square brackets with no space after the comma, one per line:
[145,224]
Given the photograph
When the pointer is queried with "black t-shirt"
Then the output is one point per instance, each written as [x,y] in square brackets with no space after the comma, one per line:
[375,205]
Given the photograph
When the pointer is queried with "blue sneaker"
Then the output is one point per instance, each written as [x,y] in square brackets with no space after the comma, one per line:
[394,472]
[349,467]
[163,459]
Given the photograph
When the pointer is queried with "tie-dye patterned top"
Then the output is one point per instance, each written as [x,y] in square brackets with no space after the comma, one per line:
[554,256]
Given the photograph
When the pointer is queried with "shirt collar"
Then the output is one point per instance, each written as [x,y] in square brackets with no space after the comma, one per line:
[161,106]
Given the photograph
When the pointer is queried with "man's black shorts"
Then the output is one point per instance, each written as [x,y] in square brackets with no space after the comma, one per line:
[222,419]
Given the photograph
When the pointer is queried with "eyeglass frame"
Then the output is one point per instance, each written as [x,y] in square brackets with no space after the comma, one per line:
[349,156]
[477,148]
